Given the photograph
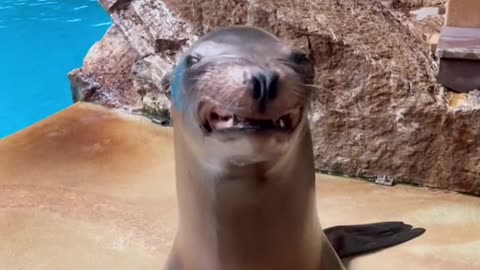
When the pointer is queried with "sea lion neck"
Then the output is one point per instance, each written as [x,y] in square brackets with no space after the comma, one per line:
[232,224]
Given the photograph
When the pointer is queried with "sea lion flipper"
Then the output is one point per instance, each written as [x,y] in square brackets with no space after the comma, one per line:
[353,240]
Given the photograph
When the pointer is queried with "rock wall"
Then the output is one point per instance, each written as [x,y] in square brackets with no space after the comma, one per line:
[418,3]
[378,110]
[105,77]
[424,21]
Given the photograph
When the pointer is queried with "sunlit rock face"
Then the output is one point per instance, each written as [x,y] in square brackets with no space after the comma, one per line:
[116,76]
[378,110]
[105,77]
[418,3]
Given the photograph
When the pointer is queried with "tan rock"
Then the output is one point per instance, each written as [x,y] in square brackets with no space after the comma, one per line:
[105,77]
[433,41]
[116,76]
[418,3]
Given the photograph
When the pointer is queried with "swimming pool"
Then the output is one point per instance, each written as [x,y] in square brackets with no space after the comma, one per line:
[40,42]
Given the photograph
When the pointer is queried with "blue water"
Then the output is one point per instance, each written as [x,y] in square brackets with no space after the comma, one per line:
[40,42]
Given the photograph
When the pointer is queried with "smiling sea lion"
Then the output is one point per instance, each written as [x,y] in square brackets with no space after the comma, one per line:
[244,162]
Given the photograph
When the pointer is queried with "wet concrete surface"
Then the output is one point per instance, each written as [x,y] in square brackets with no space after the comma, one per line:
[91,188]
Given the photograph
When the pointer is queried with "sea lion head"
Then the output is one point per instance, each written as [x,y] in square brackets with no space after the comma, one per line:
[242,94]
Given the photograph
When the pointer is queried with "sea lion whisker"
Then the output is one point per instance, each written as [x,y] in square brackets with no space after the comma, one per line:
[316,86]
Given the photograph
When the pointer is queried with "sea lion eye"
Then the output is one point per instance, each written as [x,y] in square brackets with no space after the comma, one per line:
[191,60]
[299,58]
[302,65]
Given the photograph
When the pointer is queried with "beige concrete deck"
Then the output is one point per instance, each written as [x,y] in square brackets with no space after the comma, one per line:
[94,189]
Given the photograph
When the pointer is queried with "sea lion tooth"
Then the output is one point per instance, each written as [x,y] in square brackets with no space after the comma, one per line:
[281,123]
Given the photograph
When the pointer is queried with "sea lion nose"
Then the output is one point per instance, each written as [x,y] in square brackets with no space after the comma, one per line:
[265,86]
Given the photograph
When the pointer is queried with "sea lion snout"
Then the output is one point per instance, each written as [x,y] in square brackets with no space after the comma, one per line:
[264,87]
[236,94]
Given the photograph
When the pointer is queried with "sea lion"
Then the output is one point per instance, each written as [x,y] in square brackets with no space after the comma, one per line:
[244,161]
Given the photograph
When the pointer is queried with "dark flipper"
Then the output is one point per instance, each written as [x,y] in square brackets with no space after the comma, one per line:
[354,240]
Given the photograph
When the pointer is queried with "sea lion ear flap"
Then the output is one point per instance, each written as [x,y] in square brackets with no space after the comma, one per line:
[360,239]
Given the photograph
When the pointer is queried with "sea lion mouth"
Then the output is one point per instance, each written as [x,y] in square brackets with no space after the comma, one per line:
[216,119]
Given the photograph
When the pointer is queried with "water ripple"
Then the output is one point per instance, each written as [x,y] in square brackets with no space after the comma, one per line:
[102,24]
[41,4]
[80,7]
[74,20]
[69,11]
